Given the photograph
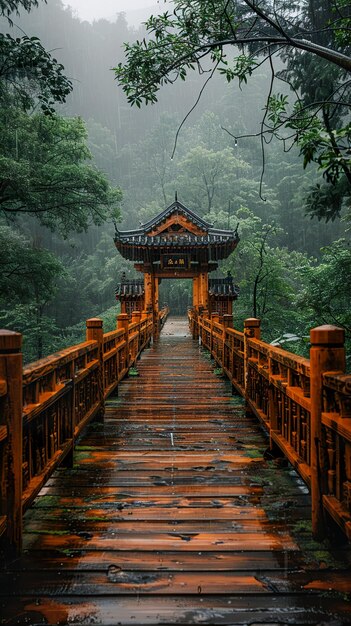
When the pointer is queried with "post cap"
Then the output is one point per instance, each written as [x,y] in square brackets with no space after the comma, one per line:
[252,322]
[227,319]
[327,335]
[10,341]
[123,316]
[94,322]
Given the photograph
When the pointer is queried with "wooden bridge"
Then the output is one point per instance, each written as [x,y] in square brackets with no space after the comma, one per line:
[177,507]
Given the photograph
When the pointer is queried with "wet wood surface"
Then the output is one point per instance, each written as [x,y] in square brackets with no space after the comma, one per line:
[172,515]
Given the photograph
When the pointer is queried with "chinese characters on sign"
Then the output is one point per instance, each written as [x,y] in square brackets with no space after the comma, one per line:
[174,261]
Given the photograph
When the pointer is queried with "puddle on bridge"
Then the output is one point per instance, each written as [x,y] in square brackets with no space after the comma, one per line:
[171,515]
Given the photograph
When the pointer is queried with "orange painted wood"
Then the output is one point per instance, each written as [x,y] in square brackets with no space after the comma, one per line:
[171,515]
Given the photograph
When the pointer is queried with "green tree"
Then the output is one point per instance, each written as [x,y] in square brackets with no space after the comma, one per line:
[295,31]
[270,277]
[208,177]
[28,282]
[27,70]
[44,172]
[328,286]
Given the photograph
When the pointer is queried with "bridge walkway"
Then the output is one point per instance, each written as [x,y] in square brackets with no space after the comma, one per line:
[172,515]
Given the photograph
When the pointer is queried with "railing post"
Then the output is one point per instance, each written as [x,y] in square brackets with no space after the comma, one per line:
[327,354]
[194,323]
[136,317]
[11,371]
[202,332]
[123,323]
[214,318]
[227,323]
[252,330]
[95,332]
[144,318]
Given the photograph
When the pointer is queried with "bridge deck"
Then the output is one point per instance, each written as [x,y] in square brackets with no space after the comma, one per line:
[171,515]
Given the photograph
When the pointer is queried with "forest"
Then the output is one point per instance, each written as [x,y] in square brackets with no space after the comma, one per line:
[258,141]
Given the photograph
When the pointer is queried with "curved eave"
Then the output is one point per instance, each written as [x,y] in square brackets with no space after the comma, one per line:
[228,295]
[135,252]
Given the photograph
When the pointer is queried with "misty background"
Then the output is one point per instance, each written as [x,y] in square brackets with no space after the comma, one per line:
[213,174]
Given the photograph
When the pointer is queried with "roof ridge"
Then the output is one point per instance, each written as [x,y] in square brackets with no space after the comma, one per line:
[172,207]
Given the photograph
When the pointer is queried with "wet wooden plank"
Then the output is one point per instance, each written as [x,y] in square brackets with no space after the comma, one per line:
[153,611]
[172,516]
[116,581]
[159,489]
[173,540]
[94,560]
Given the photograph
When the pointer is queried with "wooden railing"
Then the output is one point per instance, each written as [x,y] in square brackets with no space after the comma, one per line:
[304,404]
[45,406]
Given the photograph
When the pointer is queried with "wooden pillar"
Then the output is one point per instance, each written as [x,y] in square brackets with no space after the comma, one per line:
[94,332]
[203,299]
[156,293]
[155,306]
[196,290]
[327,354]
[11,372]
[148,290]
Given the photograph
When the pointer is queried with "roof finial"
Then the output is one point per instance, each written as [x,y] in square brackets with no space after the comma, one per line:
[176,196]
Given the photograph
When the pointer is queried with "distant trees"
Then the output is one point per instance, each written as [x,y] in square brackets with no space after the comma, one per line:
[328,285]
[45,179]
[44,172]
[311,37]
[28,72]
[28,282]
[52,188]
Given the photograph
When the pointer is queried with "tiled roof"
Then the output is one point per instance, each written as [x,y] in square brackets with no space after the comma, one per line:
[223,287]
[132,288]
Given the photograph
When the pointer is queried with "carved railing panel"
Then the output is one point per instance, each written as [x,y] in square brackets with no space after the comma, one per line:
[310,424]
[52,400]
[336,423]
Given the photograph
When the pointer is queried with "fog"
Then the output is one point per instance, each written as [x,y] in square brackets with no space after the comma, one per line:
[136,10]
[213,173]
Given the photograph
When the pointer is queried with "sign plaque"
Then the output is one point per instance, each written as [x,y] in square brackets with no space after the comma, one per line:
[174,261]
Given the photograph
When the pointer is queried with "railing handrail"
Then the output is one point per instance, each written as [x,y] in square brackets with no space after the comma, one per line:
[305,404]
[41,367]
[280,354]
[61,393]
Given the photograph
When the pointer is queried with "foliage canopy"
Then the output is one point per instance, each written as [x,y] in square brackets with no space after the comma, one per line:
[310,37]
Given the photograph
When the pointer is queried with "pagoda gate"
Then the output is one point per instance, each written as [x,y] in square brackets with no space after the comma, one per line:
[177,243]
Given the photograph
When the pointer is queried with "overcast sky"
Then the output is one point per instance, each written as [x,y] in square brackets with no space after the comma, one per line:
[94,9]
